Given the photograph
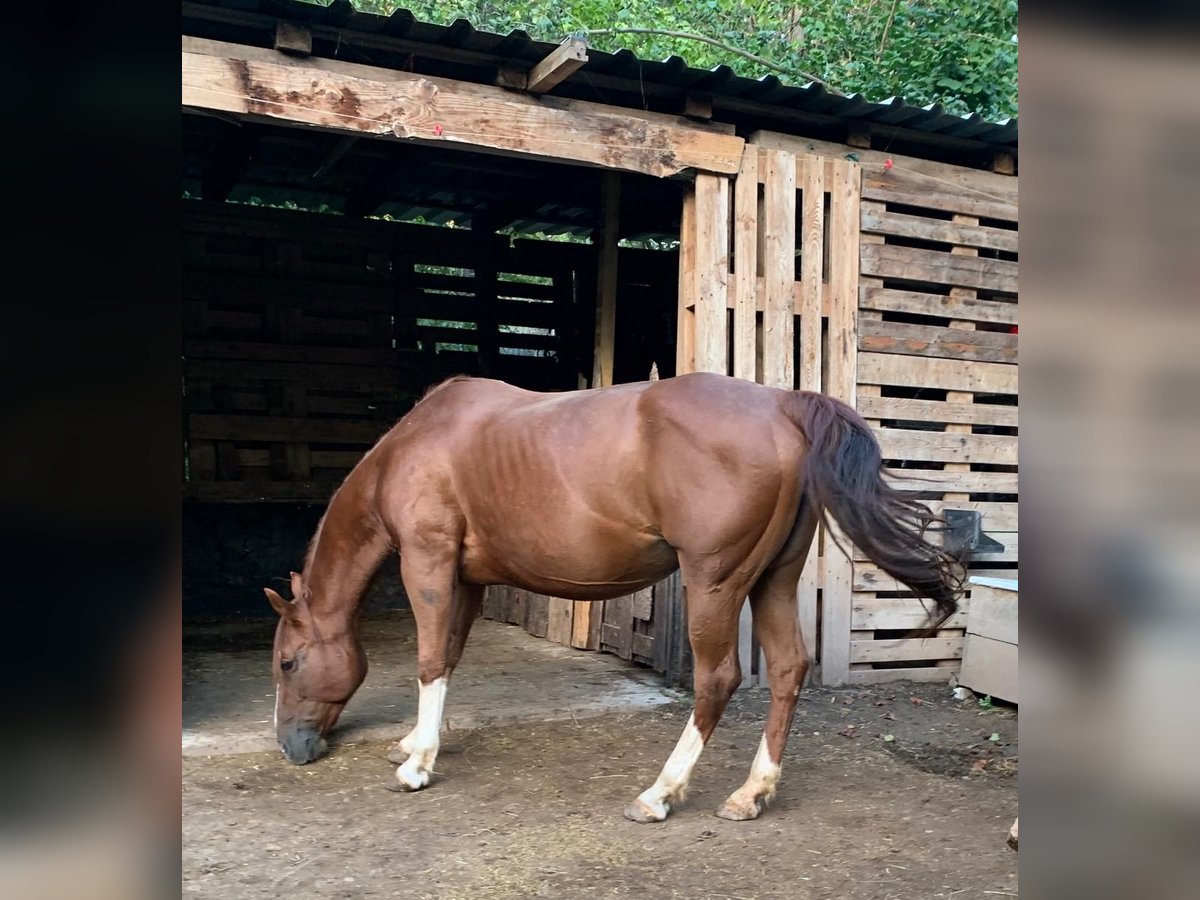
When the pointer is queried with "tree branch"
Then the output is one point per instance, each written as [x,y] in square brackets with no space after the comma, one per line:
[688,36]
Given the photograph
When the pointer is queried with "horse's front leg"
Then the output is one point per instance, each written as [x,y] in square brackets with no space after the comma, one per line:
[430,579]
[468,599]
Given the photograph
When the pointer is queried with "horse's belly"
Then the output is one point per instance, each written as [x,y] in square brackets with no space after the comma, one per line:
[605,566]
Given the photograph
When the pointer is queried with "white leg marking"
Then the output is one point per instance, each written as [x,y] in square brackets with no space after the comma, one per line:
[748,800]
[275,714]
[423,741]
[672,782]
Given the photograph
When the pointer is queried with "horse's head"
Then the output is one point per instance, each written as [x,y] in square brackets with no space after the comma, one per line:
[315,674]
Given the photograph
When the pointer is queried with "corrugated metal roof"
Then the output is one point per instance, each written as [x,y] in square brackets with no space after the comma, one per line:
[461,44]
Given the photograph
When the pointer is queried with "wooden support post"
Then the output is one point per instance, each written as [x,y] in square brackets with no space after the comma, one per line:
[685,332]
[842,381]
[570,55]
[745,266]
[779,269]
[712,273]
[587,617]
[606,279]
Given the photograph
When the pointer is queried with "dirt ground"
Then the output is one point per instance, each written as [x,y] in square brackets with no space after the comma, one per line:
[535,810]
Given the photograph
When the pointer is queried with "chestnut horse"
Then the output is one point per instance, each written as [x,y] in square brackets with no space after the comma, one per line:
[590,495]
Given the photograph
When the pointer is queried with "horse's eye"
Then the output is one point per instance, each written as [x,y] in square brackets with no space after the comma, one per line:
[286,665]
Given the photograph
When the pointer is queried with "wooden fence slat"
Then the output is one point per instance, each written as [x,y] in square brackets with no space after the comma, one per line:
[946,374]
[869,613]
[926,674]
[906,409]
[906,649]
[712,272]
[899,443]
[915,264]
[205,426]
[779,269]
[900,225]
[745,266]
[929,340]
[937,481]
[941,305]
[685,333]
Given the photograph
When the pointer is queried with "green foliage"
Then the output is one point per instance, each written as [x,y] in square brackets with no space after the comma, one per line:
[960,53]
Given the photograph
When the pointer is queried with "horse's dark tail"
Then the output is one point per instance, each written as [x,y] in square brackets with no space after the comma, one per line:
[845,478]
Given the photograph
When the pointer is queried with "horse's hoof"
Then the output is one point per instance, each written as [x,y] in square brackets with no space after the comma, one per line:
[397,756]
[739,810]
[644,813]
[416,780]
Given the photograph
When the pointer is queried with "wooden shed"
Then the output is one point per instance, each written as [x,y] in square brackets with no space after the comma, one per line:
[373,204]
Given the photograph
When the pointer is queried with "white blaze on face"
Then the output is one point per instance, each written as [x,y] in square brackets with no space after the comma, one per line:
[424,739]
[672,782]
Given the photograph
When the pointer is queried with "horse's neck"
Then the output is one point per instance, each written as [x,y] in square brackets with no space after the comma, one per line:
[347,549]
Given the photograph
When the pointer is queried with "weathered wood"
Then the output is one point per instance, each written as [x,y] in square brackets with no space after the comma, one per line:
[938,174]
[559,65]
[745,266]
[617,631]
[877,221]
[931,340]
[996,516]
[872,613]
[915,189]
[906,649]
[606,281]
[585,627]
[890,300]
[947,374]
[922,674]
[933,481]
[993,612]
[537,614]
[906,409]
[712,272]
[293,38]
[990,667]
[642,604]
[685,333]
[915,264]
[900,443]
[254,350]
[812,180]
[261,491]
[779,269]
[869,577]
[558,627]
[341,96]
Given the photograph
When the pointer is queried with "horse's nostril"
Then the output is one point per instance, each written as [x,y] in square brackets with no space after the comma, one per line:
[303,746]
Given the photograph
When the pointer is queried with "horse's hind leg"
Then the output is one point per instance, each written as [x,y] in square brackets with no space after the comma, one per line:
[468,598]
[712,630]
[777,626]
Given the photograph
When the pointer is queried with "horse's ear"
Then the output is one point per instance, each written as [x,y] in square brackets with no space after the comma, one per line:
[297,587]
[280,605]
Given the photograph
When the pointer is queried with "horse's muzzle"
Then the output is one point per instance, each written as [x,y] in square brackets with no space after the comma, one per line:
[303,745]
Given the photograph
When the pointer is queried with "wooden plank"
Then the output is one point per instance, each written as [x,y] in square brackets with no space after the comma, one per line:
[990,667]
[585,627]
[945,374]
[558,627]
[1010,540]
[890,300]
[642,604]
[812,180]
[900,443]
[745,266]
[641,646]
[869,577]
[879,614]
[993,613]
[606,282]
[899,225]
[996,516]
[914,189]
[916,264]
[204,426]
[685,332]
[559,65]
[537,614]
[942,176]
[779,269]
[617,631]
[905,649]
[371,381]
[931,340]
[389,103]
[921,674]
[934,481]
[712,272]
[909,410]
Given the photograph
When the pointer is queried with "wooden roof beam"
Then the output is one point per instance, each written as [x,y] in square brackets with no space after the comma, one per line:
[367,100]
[568,58]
